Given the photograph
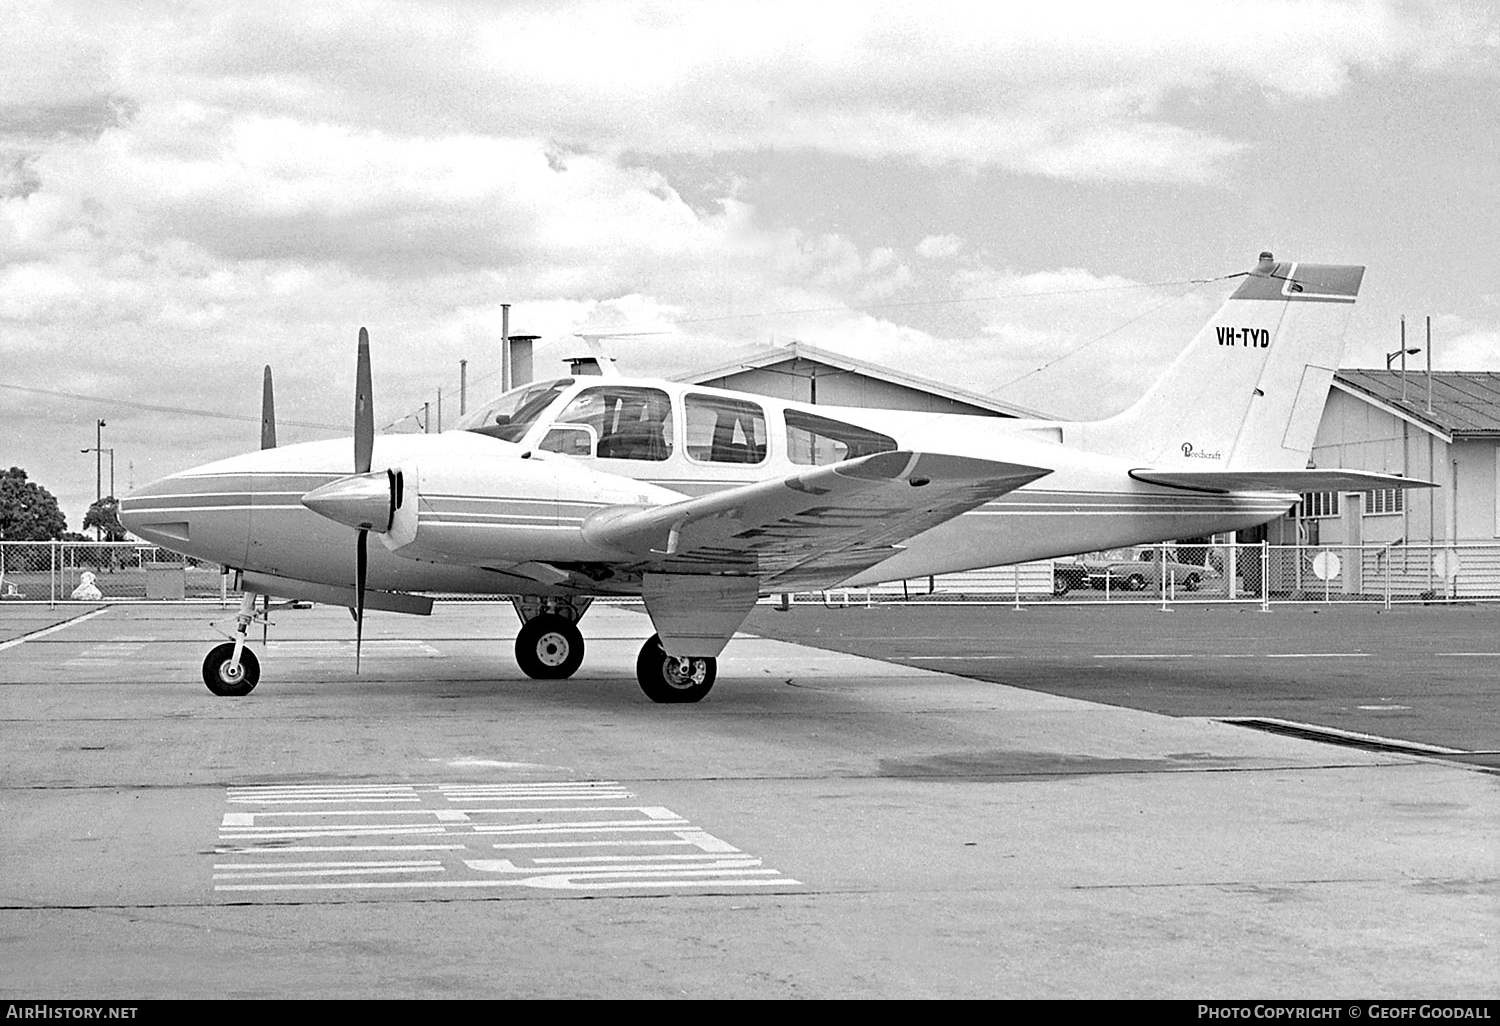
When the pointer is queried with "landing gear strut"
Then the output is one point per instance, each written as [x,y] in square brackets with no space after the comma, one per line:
[667,678]
[231,669]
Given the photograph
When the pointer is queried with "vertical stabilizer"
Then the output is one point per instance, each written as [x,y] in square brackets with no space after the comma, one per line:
[1248,391]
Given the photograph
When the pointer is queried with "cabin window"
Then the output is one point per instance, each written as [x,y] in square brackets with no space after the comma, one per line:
[630,423]
[815,441]
[725,430]
[514,413]
[570,440]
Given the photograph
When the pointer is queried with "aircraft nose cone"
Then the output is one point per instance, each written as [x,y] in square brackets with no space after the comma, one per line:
[362,501]
[202,512]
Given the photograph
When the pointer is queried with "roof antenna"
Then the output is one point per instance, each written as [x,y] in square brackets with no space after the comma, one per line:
[1267,264]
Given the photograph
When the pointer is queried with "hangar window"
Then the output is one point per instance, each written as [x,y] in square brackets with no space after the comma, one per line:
[630,423]
[723,430]
[1385,500]
[816,441]
[1320,504]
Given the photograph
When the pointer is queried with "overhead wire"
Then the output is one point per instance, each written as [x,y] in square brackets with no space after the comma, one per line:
[416,414]
[160,408]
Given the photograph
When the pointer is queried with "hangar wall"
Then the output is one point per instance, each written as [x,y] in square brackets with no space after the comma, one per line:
[803,381]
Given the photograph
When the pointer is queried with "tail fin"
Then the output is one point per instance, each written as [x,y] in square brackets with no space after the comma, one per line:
[1248,391]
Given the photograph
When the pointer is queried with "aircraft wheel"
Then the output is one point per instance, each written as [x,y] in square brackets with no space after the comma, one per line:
[666,678]
[1191,582]
[221,675]
[549,647]
[1135,582]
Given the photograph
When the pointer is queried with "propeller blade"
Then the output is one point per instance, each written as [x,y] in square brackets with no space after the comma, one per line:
[361,558]
[364,447]
[267,413]
[364,412]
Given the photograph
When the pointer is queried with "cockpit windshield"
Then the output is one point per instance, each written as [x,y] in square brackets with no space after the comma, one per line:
[513,414]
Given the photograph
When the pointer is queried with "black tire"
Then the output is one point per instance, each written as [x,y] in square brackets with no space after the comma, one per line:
[1135,582]
[662,679]
[549,647]
[220,675]
[1191,582]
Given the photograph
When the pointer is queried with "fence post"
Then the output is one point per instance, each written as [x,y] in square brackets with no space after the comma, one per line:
[1265,577]
[52,575]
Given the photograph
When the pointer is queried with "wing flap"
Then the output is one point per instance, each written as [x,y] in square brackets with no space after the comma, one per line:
[815,527]
[1330,480]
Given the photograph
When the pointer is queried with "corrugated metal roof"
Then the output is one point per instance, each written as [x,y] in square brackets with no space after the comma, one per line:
[1463,402]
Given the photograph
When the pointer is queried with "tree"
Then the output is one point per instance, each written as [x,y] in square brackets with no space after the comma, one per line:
[104,514]
[28,512]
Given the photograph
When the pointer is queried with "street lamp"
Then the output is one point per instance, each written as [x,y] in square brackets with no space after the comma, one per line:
[99,450]
[1401,353]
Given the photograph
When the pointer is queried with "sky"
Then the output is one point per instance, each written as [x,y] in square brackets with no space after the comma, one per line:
[1039,202]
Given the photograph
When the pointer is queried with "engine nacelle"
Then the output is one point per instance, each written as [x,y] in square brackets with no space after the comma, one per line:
[506,508]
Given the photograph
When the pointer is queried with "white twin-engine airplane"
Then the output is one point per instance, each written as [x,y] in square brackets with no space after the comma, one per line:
[700,500]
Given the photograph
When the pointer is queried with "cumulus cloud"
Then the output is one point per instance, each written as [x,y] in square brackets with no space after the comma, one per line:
[189,191]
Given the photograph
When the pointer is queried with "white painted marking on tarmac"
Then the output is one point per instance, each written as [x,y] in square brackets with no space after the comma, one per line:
[309,848]
[1233,655]
[602,841]
[473,763]
[13,642]
[1383,708]
[328,865]
[393,648]
[556,882]
[270,873]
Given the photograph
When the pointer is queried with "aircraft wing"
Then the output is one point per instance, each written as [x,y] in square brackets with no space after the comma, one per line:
[1330,480]
[811,529]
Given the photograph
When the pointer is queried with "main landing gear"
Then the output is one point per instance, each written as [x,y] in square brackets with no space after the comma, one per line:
[666,678]
[550,647]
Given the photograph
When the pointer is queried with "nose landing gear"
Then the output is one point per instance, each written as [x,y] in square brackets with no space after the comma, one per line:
[231,669]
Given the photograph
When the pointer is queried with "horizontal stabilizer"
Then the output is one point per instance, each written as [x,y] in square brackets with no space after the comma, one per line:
[1330,480]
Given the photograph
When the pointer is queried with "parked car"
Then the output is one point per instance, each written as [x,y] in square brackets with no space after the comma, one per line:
[1147,569]
[1068,575]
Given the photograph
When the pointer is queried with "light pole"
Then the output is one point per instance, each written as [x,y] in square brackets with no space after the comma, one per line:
[99,450]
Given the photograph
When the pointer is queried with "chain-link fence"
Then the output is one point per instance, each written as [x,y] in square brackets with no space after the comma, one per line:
[1230,573]
[104,571]
[55,572]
